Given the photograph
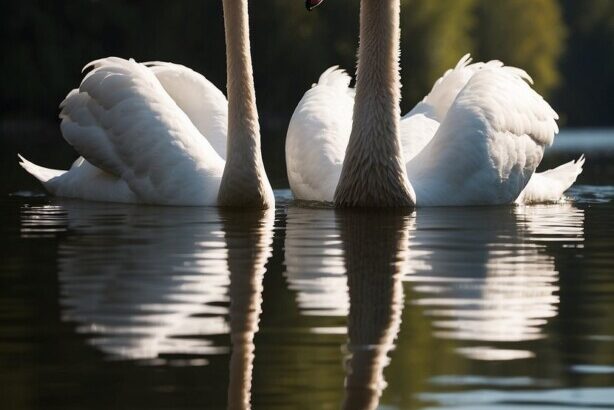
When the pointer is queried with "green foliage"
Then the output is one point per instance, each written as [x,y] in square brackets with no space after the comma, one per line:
[435,35]
[523,33]
[46,43]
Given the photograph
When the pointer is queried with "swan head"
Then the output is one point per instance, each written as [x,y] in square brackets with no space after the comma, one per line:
[312,4]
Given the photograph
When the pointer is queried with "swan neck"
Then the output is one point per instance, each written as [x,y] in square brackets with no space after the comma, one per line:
[244,182]
[374,171]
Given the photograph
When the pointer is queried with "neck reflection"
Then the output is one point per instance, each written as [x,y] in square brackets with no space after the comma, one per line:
[350,262]
[375,251]
[249,238]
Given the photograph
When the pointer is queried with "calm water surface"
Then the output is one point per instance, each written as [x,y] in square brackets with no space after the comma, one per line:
[105,306]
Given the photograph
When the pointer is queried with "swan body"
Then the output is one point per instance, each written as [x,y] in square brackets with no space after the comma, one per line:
[160,133]
[475,139]
[318,135]
[137,144]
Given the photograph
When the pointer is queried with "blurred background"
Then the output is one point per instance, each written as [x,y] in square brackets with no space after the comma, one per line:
[567,46]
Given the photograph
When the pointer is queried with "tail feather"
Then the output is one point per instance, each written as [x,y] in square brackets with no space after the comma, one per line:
[550,185]
[567,173]
[44,175]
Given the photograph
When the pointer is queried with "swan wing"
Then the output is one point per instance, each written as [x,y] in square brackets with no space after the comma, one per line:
[488,145]
[449,85]
[417,129]
[123,121]
[318,135]
[198,98]
[549,186]
[420,124]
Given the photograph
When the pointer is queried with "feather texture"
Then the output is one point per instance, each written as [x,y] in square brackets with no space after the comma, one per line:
[549,186]
[204,104]
[476,138]
[318,135]
[137,143]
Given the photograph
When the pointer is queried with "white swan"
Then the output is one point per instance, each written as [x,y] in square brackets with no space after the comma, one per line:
[156,133]
[477,138]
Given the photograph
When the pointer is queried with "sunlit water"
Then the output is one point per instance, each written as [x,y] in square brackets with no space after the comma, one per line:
[105,306]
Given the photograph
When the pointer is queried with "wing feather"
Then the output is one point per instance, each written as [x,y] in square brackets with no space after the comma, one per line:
[123,121]
[318,135]
[203,102]
[488,144]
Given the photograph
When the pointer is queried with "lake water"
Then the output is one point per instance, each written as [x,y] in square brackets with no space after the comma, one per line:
[114,306]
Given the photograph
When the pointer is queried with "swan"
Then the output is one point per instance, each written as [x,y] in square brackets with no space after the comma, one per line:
[160,133]
[475,139]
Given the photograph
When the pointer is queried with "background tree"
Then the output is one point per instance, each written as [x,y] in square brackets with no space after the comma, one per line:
[523,33]
[435,35]
[45,44]
[586,97]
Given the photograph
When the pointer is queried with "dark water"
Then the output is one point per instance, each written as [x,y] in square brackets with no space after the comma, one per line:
[113,306]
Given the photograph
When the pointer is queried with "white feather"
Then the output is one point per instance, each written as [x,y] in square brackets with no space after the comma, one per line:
[487,146]
[476,138]
[317,136]
[203,102]
[140,146]
[549,186]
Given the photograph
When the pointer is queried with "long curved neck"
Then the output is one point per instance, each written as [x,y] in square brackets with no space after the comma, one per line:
[244,182]
[373,173]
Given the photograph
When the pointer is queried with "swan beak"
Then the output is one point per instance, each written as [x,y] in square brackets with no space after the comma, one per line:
[312,4]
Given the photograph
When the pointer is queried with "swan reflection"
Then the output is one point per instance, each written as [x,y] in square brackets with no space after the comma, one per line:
[360,261]
[314,262]
[154,284]
[249,236]
[487,277]
[484,276]
[375,246]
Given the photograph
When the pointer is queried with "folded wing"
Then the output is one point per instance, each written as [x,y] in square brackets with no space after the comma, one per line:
[488,145]
[318,135]
[198,98]
[123,121]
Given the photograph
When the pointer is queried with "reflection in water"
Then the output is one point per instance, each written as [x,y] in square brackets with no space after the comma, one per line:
[486,277]
[152,283]
[42,221]
[375,244]
[360,260]
[249,235]
[146,283]
[169,285]
[314,262]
